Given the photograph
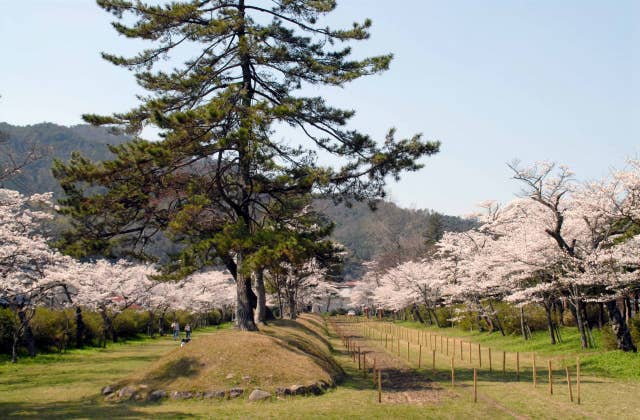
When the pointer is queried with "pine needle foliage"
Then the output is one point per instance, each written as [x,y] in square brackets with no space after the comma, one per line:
[218,180]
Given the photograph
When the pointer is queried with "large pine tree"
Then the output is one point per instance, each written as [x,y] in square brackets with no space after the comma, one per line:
[218,175]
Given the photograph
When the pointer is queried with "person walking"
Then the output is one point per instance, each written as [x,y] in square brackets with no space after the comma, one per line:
[176,330]
[187,331]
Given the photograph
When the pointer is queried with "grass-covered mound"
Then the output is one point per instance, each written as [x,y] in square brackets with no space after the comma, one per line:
[282,355]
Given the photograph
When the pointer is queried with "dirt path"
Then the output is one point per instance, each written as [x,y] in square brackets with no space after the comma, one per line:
[401,383]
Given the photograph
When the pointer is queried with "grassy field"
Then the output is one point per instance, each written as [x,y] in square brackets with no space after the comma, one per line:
[68,386]
[608,364]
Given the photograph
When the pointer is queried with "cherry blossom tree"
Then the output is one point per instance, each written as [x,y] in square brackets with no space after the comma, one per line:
[318,292]
[110,288]
[561,241]
[583,220]
[24,259]
[363,294]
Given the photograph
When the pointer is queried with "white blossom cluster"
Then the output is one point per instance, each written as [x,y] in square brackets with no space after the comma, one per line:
[562,238]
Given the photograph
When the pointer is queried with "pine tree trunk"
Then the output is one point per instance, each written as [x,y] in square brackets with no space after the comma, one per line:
[292,305]
[620,328]
[244,308]
[261,306]
[280,306]
[79,328]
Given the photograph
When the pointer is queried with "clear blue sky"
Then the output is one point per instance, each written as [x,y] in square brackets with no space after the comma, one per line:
[493,80]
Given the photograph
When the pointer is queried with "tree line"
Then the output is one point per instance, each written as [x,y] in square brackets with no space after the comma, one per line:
[562,244]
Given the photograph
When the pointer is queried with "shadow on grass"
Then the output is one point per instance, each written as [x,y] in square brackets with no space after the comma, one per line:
[81,409]
[298,340]
[287,323]
[184,367]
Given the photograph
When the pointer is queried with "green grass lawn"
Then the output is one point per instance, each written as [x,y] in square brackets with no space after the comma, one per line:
[611,364]
[68,386]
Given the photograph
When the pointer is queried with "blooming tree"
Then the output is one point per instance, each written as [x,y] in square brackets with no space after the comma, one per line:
[24,258]
[110,288]
[561,241]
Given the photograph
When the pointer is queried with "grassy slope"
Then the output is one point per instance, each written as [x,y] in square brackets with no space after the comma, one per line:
[284,354]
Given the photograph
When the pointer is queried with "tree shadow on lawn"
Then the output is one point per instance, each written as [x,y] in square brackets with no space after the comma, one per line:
[174,369]
[89,408]
[296,326]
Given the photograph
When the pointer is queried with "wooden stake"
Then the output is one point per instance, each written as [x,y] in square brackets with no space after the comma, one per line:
[358,357]
[419,355]
[550,379]
[475,385]
[364,365]
[433,361]
[566,368]
[490,363]
[441,346]
[398,345]
[379,386]
[535,378]
[518,365]
[374,371]
[408,356]
[504,363]
[453,374]
[578,378]
[479,355]
[447,346]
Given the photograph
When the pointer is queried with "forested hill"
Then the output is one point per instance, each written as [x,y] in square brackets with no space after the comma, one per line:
[390,234]
[53,141]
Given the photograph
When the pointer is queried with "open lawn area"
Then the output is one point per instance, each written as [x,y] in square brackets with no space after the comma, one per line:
[68,386]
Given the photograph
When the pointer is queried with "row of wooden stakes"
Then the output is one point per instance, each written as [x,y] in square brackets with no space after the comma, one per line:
[393,334]
[361,358]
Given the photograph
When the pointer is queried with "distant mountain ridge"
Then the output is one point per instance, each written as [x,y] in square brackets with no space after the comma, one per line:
[59,142]
[391,234]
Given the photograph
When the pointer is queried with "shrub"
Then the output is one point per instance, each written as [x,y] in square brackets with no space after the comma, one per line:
[214,317]
[6,330]
[608,338]
[634,326]
[93,327]
[130,323]
[52,329]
